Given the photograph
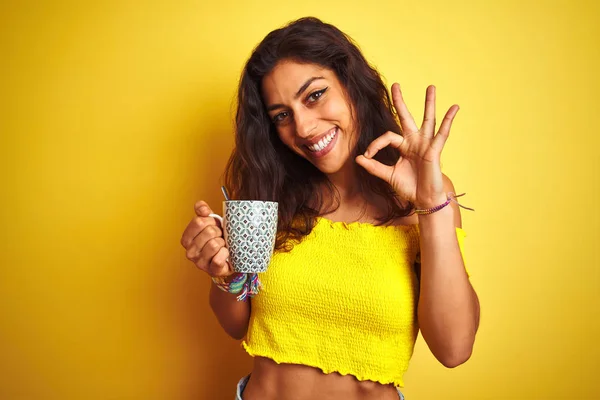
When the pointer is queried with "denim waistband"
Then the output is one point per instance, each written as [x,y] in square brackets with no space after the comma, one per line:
[244,381]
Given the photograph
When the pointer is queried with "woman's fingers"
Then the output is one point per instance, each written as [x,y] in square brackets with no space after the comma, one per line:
[208,233]
[204,243]
[428,127]
[375,168]
[196,246]
[203,259]
[219,264]
[208,252]
[440,139]
[202,209]
[406,120]
[387,139]
[196,225]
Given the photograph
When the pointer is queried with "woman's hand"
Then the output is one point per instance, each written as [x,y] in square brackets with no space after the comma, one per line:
[417,176]
[204,243]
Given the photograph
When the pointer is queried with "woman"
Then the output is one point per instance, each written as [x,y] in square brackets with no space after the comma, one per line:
[368,226]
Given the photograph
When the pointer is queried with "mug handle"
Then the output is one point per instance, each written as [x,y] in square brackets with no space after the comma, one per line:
[217,216]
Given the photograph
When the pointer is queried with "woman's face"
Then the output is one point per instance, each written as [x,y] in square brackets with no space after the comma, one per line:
[311,112]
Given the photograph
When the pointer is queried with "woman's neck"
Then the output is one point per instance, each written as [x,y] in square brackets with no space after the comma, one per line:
[356,202]
[353,202]
[346,183]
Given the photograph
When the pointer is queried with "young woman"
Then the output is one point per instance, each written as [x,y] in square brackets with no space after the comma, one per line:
[369,236]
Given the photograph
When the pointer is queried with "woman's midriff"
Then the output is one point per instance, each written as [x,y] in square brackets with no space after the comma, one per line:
[272,381]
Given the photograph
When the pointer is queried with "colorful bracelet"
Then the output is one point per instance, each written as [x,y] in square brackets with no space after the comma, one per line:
[234,287]
[451,198]
[247,284]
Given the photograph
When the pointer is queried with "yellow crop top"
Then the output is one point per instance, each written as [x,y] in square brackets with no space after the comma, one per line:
[342,300]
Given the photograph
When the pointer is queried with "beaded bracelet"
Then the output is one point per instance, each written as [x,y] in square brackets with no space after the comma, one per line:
[451,198]
[248,284]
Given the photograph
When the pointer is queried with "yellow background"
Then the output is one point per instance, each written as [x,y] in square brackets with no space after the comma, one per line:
[116,117]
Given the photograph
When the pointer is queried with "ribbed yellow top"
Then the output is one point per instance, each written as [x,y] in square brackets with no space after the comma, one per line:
[343,300]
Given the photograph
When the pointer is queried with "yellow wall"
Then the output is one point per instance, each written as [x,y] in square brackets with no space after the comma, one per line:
[116,117]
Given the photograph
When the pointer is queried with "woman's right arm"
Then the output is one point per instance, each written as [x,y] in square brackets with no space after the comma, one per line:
[205,247]
[233,315]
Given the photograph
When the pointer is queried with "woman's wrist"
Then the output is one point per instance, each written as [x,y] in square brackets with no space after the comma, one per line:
[429,202]
[240,284]
[444,215]
[450,197]
[225,280]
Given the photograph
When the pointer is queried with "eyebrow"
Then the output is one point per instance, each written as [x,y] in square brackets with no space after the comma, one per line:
[298,93]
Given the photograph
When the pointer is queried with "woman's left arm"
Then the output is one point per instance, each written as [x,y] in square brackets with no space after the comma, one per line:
[448,308]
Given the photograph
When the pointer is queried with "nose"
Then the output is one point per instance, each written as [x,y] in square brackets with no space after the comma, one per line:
[305,123]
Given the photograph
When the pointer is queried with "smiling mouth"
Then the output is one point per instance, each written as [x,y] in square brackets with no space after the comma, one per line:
[324,145]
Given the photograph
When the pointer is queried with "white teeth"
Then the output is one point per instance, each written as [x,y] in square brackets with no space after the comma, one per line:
[323,142]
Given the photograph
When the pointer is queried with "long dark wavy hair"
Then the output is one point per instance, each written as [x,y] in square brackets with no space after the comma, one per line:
[261,167]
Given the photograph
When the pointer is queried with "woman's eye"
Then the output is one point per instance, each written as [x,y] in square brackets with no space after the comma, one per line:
[314,96]
[280,117]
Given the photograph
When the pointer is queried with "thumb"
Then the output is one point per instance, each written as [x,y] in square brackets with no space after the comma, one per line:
[375,168]
[202,209]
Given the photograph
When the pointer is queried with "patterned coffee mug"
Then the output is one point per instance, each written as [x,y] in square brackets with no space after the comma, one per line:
[250,229]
